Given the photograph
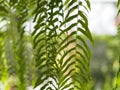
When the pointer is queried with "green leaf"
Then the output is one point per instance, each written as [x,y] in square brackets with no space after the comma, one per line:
[69,19]
[3,9]
[88,3]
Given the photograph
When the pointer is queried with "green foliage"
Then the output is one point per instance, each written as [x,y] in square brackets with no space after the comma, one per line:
[16,56]
[104,62]
[62,54]
[61,51]
[3,62]
[117,82]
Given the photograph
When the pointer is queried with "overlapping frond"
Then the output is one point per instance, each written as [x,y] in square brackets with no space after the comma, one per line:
[45,41]
[15,13]
[62,54]
[19,14]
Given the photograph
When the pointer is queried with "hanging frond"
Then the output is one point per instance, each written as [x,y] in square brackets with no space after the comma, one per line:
[15,13]
[20,12]
[62,53]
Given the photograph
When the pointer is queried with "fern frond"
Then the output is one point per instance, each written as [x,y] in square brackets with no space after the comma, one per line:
[62,53]
[16,12]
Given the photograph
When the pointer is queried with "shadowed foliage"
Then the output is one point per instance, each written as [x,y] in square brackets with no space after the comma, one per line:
[13,41]
[62,54]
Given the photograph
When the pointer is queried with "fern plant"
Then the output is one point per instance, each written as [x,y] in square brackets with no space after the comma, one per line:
[59,37]
[14,13]
[61,52]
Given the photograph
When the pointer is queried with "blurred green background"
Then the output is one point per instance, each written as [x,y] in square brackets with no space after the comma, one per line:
[104,62]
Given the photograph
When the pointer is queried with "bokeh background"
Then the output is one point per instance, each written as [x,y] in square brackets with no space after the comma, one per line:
[103,21]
